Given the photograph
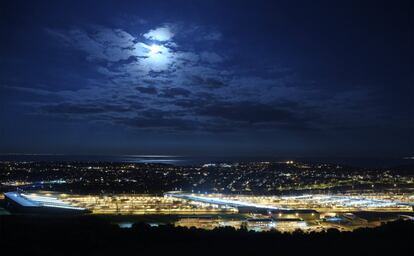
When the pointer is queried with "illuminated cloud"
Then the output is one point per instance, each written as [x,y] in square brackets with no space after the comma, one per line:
[102,43]
[161,34]
[158,57]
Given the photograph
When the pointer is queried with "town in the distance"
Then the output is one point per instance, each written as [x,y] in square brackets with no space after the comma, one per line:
[258,196]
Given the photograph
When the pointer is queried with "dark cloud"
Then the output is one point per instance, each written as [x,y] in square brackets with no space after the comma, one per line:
[160,73]
[156,81]
[157,113]
[169,123]
[174,92]
[197,100]
[72,108]
[147,90]
[187,103]
[9,94]
[248,112]
[211,83]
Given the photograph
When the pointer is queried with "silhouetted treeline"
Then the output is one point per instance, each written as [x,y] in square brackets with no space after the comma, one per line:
[88,235]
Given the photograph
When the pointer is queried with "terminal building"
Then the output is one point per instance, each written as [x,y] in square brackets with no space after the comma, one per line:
[18,202]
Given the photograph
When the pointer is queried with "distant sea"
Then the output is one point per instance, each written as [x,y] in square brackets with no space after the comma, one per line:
[195,161]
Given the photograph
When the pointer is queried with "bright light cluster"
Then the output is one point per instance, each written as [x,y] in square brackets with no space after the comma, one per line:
[34,200]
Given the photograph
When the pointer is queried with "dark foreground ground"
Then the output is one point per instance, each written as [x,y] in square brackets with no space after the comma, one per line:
[87,235]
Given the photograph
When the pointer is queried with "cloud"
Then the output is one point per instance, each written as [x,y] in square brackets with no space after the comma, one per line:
[186,103]
[147,90]
[173,92]
[72,108]
[103,43]
[26,94]
[124,57]
[247,112]
[157,113]
[208,82]
[213,36]
[175,124]
[210,57]
[161,34]
[185,82]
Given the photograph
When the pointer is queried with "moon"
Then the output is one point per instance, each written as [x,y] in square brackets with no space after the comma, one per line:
[154,50]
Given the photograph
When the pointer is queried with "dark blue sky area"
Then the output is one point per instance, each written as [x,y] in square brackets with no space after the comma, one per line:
[236,78]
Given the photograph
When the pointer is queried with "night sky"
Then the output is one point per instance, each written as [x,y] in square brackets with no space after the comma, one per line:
[235,78]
